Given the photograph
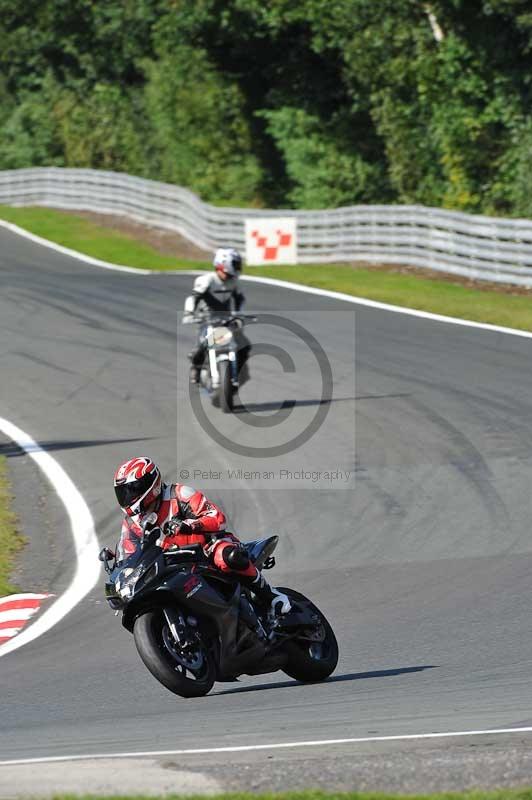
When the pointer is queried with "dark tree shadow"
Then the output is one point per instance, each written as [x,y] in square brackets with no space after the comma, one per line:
[12,450]
[351,676]
[275,405]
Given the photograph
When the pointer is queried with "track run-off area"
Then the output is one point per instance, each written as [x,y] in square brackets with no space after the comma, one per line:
[420,557]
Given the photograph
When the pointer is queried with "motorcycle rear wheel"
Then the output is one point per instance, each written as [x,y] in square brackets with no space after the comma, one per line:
[186,674]
[310,662]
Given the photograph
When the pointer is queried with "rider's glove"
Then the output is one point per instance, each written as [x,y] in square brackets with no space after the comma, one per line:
[177,525]
[172,526]
[185,527]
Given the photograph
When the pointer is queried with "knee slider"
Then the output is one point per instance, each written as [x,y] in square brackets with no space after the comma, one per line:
[235,557]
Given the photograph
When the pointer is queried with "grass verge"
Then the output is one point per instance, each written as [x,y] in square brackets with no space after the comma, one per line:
[499,794]
[10,540]
[81,234]
[437,296]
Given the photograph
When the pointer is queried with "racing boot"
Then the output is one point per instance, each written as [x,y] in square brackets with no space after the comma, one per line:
[278,602]
[196,359]
[237,558]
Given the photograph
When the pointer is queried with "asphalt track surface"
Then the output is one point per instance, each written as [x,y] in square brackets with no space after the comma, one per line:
[422,563]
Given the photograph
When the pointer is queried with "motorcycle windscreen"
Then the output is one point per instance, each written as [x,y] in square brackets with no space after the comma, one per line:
[130,542]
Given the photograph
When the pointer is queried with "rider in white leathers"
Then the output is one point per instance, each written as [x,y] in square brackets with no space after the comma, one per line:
[215,294]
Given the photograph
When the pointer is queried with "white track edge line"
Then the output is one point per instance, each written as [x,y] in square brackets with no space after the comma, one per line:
[85,541]
[411,312]
[96,262]
[347,298]
[272,746]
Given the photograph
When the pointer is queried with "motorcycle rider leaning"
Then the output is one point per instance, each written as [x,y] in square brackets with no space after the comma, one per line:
[185,516]
[217,294]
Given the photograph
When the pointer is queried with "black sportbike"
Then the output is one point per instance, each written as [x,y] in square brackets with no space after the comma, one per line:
[194,625]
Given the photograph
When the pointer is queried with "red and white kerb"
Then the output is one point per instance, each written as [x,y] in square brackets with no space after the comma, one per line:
[15,612]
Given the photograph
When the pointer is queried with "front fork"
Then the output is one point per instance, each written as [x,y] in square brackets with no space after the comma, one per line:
[178,628]
[232,356]
[213,361]
[215,372]
[213,365]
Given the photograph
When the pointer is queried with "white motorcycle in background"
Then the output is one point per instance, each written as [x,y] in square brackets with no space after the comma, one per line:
[220,374]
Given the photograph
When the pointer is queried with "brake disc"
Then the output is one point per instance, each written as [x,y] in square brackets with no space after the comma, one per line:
[192,660]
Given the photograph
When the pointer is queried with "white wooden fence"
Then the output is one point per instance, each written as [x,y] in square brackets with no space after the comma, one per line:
[479,247]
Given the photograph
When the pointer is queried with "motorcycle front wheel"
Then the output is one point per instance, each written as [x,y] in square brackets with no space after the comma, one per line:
[226,388]
[188,673]
[311,660]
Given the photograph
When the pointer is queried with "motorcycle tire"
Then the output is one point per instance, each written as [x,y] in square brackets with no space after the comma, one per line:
[310,662]
[215,398]
[226,388]
[167,663]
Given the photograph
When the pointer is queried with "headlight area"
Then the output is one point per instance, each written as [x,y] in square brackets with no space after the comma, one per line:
[127,580]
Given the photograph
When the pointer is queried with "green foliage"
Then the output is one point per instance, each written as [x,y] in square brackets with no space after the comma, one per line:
[99,129]
[512,190]
[200,136]
[322,162]
[28,138]
[315,103]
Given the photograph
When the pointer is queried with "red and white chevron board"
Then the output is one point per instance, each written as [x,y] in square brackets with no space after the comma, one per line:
[15,612]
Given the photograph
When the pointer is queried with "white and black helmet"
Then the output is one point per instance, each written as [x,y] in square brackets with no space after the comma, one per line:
[228,261]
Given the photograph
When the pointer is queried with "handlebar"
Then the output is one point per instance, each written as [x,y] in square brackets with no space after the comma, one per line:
[223,320]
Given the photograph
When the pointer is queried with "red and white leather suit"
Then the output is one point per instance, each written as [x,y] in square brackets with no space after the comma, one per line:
[202,516]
